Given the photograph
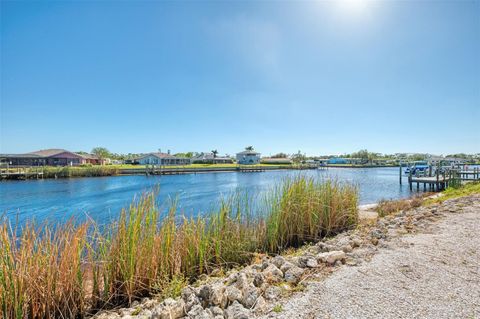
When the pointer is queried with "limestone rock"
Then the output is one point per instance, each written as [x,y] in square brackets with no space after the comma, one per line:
[307,262]
[233,294]
[272,273]
[197,312]
[293,275]
[286,266]
[190,298]
[237,311]
[259,279]
[278,261]
[242,281]
[250,296]
[217,296]
[347,248]
[216,311]
[260,305]
[273,293]
[331,257]
[169,309]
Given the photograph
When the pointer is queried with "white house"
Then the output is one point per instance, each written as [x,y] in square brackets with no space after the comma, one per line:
[248,157]
[162,159]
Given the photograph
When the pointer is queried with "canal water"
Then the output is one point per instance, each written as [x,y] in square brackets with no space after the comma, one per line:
[102,198]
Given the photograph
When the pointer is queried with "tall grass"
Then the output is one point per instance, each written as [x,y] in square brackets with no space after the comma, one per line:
[79,171]
[70,271]
[302,210]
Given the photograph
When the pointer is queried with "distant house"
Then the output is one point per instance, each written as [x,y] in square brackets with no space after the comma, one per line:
[337,160]
[162,159]
[94,160]
[278,161]
[446,161]
[248,157]
[341,160]
[321,161]
[209,158]
[49,157]
[116,162]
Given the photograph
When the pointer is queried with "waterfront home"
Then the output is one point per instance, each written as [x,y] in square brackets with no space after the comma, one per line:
[278,161]
[116,162]
[446,161]
[351,160]
[337,160]
[321,161]
[162,159]
[49,157]
[248,157]
[210,158]
[94,159]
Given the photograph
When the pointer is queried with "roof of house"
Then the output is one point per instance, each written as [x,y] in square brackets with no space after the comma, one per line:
[19,155]
[52,152]
[89,156]
[206,155]
[41,154]
[160,155]
[209,156]
[248,153]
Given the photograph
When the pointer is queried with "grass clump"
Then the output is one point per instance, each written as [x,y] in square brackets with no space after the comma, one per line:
[74,270]
[388,207]
[278,308]
[302,210]
[467,189]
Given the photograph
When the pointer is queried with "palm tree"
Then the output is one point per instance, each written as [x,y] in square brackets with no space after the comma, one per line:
[249,148]
[214,152]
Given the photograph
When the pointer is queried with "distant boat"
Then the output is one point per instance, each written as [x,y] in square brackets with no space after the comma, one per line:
[417,167]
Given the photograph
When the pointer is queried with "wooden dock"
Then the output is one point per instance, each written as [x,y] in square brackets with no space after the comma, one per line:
[438,179]
[21,172]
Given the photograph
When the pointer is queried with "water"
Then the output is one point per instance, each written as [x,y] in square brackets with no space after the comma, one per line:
[101,198]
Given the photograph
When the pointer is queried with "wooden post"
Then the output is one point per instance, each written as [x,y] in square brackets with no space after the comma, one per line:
[410,179]
[400,176]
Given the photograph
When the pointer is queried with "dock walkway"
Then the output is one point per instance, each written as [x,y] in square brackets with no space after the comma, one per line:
[21,172]
[442,179]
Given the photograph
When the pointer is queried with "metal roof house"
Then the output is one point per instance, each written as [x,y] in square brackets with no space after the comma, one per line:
[248,157]
[162,159]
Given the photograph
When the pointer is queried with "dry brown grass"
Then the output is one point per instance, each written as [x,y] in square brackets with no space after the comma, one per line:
[388,207]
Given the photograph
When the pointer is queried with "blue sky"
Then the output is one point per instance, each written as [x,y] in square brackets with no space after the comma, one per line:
[320,77]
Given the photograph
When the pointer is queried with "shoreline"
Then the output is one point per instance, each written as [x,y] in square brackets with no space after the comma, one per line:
[253,282]
[270,286]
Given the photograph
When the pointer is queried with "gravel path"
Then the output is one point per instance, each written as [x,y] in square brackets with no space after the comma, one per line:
[435,274]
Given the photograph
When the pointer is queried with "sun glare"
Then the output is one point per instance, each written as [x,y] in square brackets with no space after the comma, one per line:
[353,5]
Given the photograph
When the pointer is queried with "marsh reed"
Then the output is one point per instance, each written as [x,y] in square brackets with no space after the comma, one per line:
[79,171]
[72,270]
